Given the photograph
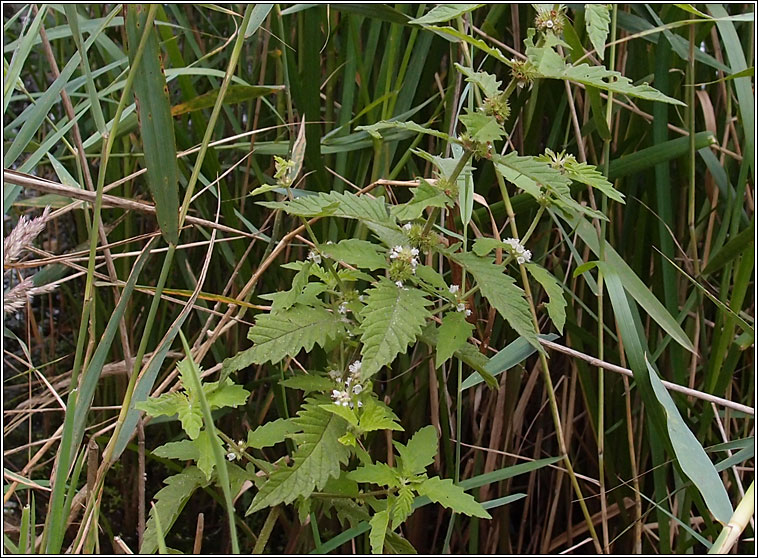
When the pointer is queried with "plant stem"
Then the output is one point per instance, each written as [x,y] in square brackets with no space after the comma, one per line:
[546,376]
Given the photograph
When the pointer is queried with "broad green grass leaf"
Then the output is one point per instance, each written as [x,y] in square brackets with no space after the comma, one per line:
[376,473]
[633,284]
[25,43]
[285,334]
[379,524]
[469,354]
[451,496]
[316,460]
[156,124]
[419,452]
[556,305]
[359,253]
[744,240]
[169,503]
[514,353]
[271,433]
[452,336]
[502,293]
[690,454]
[257,17]
[597,19]
[374,129]
[235,94]
[392,319]
[444,12]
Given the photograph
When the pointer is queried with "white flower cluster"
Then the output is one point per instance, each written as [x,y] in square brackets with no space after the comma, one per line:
[461,305]
[407,254]
[353,386]
[342,308]
[315,257]
[522,254]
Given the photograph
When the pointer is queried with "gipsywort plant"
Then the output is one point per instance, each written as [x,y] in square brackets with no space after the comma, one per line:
[363,302]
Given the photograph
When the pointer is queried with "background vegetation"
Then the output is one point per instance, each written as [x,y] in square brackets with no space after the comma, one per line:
[675,284]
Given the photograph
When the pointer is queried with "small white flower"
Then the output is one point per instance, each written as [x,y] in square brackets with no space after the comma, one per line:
[407,227]
[414,252]
[522,254]
[355,367]
[357,388]
[468,312]
[335,374]
[549,24]
[341,398]
[453,289]
[329,242]
[360,297]
[231,456]
[360,403]
[399,284]
[315,257]
[461,307]
[342,308]
[395,252]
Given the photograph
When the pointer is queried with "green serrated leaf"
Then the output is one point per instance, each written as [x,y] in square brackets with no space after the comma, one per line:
[394,543]
[597,19]
[444,12]
[340,410]
[286,299]
[225,394]
[425,195]
[501,291]
[308,383]
[183,450]
[556,305]
[374,129]
[353,251]
[169,502]
[316,459]
[271,433]
[551,65]
[419,452]
[378,416]
[453,333]
[376,473]
[167,404]
[484,245]
[371,211]
[286,334]
[191,417]
[488,83]
[402,507]
[588,174]
[482,127]
[392,319]
[378,524]
[451,496]
[205,459]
